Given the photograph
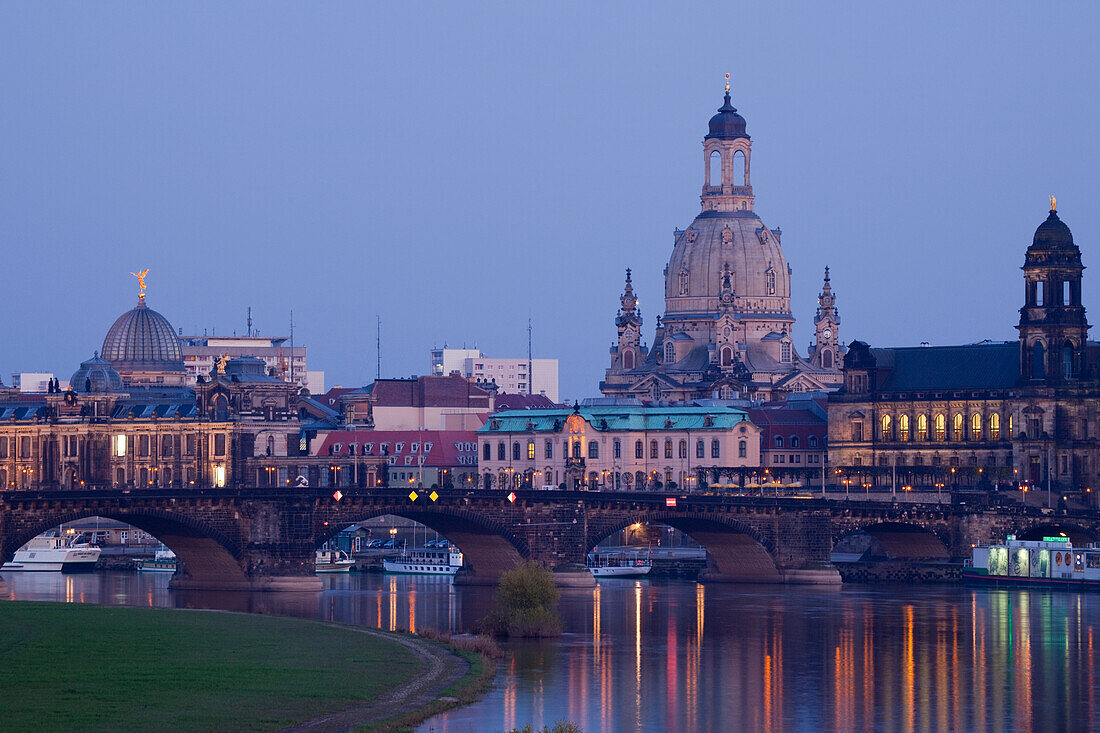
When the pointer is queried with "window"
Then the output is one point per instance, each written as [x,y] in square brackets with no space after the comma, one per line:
[1067,361]
[903,428]
[683,449]
[219,446]
[515,451]
[785,352]
[577,449]
[628,359]
[827,359]
[922,427]
[779,441]
[1038,361]
[653,449]
[684,279]
[715,449]
[530,450]
[976,426]
[548,450]
[670,353]
[668,449]
[887,428]
[593,449]
[1039,293]
[700,449]
[486,452]
[957,428]
[794,441]
[166,446]
[617,449]
[770,282]
[120,446]
[857,430]
[941,427]
[1065,293]
[143,446]
[742,449]
[501,452]
[638,450]
[813,441]
[714,170]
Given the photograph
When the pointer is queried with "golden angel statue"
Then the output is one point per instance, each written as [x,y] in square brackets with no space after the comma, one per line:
[221,361]
[1053,203]
[141,281]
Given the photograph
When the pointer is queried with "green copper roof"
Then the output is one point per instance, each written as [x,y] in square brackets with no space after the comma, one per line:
[613,417]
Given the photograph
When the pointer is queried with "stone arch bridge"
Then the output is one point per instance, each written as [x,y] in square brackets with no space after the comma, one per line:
[264,539]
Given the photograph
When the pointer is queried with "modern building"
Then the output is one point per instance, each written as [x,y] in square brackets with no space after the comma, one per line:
[727,327]
[35,381]
[510,374]
[617,447]
[200,353]
[413,458]
[987,414]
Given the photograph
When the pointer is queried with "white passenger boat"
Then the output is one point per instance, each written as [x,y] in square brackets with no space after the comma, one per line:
[54,553]
[425,561]
[332,561]
[163,562]
[1051,562]
[620,564]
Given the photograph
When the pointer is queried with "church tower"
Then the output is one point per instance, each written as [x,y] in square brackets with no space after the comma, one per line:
[1053,328]
[628,353]
[826,351]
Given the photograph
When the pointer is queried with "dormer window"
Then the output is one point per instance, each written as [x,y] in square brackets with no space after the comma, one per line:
[785,352]
[670,353]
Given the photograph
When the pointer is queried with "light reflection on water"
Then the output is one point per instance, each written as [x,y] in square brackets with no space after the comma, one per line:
[685,657]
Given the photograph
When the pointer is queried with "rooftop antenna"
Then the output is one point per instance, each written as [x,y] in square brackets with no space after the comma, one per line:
[291,344]
[530,361]
[378,347]
[250,321]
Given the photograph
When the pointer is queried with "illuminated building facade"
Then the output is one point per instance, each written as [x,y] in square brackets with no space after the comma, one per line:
[1016,412]
[615,447]
[726,329]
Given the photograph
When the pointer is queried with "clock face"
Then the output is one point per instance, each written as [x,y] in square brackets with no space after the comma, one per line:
[828,333]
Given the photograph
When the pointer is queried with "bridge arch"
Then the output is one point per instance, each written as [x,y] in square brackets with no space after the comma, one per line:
[208,557]
[895,540]
[489,547]
[1079,536]
[736,551]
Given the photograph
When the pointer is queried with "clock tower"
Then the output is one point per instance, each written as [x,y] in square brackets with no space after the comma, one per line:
[826,351]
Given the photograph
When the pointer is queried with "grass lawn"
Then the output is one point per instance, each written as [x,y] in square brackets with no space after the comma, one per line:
[69,666]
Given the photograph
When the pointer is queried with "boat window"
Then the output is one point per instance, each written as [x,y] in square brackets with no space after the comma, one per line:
[1092,559]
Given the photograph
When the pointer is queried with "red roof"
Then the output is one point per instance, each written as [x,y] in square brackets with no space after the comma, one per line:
[441,448]
[451,390]
[524,402]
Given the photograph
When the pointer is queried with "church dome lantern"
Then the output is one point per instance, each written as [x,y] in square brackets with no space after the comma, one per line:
[727,124]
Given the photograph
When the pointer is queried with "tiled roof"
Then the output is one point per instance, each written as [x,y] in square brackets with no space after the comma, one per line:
[524,402]
[975,366]
[617,417]
[440,448]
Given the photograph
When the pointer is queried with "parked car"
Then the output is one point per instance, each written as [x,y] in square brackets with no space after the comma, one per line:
[389,544]
[374,543]
[430,543]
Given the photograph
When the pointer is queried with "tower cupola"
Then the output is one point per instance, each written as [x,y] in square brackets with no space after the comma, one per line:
[726,151]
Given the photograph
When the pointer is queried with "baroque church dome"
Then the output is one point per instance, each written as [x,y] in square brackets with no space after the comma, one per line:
[96,375]
[142,340]
[1052,234]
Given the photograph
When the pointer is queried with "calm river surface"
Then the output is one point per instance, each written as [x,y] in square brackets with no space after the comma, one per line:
[684,657]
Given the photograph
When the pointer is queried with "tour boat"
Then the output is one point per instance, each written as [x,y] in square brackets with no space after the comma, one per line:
[332,561]
[619,564]
[425,561]
[54,553]
[1051,562]
[163,562]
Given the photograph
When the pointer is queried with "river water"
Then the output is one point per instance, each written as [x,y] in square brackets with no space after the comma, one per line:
[682,656]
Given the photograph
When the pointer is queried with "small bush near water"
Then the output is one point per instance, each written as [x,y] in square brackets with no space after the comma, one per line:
[562,726]
[526,599]
[480,644]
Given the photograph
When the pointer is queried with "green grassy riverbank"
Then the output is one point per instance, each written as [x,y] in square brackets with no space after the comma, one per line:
[78,667]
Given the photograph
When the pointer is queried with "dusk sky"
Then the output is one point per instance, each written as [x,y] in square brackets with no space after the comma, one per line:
[457,168]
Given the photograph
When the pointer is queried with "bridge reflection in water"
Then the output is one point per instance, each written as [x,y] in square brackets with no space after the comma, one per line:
[683,656]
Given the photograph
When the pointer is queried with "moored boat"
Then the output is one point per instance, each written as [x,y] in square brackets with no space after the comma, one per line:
[163,562]
[54,553]
[332,561]
[425,561]
[1051,562]
[620,564]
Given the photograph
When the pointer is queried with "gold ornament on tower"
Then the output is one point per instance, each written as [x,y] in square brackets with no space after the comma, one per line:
[1053,203]
[141,282]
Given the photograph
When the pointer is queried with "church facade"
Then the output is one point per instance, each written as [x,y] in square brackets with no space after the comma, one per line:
[726,330]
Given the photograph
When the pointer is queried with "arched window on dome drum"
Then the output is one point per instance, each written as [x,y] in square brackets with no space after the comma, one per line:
[827,359]
[685,279]
[628,359]
[976,426]
[770,282]
[727,356]
[714,169]
[994,427]
[740,169]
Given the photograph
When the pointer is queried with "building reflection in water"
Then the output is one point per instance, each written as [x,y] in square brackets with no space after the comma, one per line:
[643,655]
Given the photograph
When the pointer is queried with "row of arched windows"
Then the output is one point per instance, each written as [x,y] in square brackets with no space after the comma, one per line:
[793,442]
[961,428]
[594,449]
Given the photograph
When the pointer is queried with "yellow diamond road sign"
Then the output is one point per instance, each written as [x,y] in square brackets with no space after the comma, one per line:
[433,496]
[413,496]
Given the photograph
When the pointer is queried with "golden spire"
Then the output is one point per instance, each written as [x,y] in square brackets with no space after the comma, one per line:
[1053,203]
[141,281]
[727,82]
